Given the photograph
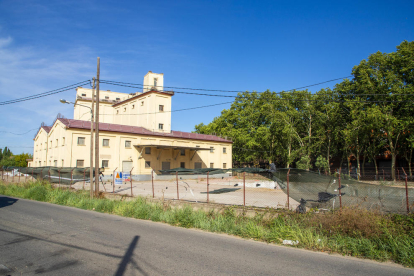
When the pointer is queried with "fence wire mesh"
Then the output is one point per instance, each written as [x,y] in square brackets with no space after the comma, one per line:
[284,188]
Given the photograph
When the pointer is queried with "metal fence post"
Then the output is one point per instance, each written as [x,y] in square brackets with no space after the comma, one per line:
[130,175]
[208,190]
[113,181]
[176,177]
[244,188]
[152,180]
[71,178]
[287,188]
[84,180]
[406,193]
[19,176]
[339,190]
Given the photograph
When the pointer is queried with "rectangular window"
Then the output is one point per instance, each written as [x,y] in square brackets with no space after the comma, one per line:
[160,126]
[105,142]
[63,141]
[40,163]
[224,150]
[124,109]
[161,108]
[106,98]
[133,106]
[142,103]
[197,165]
[127,144]
[147,150]
[81,141]
[212,149]
[211,165]
[147,164]
[57,144]
[50,145]
[63,162]
[55,163]
[182,152]
[117,112]
[155,83]
[105,163]
[224,165]
[182,165]
[118,99]
[79,163]
[83,95]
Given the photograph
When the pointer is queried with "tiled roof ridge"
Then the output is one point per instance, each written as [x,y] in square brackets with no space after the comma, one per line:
[72,123]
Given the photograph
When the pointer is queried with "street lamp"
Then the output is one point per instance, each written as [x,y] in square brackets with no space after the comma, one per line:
[91,162]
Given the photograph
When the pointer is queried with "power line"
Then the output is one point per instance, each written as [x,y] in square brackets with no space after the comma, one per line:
[212,90]
[44,94]
[19,133]
[278,93]
[177,110]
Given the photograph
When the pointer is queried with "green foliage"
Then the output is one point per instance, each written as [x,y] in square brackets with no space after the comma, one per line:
[351,232]
[304,163]
[7,159]
[322,163]
[362,116]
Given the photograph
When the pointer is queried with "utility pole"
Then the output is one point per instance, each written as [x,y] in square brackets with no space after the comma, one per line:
[92,117]
[97,132]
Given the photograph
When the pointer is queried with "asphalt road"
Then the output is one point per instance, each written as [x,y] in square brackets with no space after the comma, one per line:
[42,238]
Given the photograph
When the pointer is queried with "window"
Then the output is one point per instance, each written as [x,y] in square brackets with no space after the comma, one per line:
[40,163]
[50,163]
[147,150]
[63,141]
[182,152]
[155,82]
[83,95]
[142,103]
[224,165]
[57,144]
[79,163]
[127,144]
[211,165]
[212,149]
[161,107]
[197,146]
[105,163]
[197,165]
[63,162]
[224,150]
[106,98]
[81,141]
[105,142]
[133,106]
[50,145]
[55,163]
[118,99]
[45,145]
[124,109]
[147,164]
[117,112]
[161,126]
[182,165]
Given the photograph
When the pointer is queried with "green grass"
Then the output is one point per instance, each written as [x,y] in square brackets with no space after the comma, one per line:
[351,232]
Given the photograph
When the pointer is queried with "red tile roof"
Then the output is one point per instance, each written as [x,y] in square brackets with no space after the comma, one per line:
[70,123]
[47,128]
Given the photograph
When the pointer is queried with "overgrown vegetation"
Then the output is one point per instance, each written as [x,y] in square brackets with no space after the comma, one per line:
[363,117]
[351,232]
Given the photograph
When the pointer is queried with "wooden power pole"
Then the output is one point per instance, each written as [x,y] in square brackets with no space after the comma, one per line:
[97,132]
[91,163]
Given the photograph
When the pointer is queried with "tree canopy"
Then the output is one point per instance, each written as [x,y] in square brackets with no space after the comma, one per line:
[362,117]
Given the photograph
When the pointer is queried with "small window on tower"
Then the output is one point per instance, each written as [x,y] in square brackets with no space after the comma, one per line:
[161,108]
[155,83]
[106,97]
[118,99]
[83,95]
[161,126]
[142,103]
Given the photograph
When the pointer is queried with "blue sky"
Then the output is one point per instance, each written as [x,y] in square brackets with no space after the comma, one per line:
[229,45]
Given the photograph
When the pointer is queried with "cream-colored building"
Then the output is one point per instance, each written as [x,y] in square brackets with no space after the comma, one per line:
[134,132]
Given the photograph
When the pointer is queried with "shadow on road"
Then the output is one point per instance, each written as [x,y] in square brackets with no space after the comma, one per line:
[128,259]
[6,201]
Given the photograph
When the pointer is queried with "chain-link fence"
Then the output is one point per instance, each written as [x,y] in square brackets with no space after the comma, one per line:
[294,189]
